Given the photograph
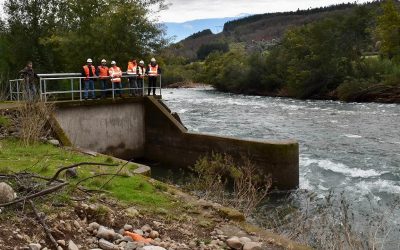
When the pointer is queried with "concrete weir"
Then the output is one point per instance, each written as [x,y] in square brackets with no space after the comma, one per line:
[144,127]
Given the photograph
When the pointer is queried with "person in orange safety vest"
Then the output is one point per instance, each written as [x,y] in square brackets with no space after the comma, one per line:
[153,71]
[104,76]
[116,74]
[132,80]
[88,72]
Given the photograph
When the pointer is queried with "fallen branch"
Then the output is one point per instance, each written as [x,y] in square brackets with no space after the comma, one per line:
[45,227]
[38,194]
[77,165]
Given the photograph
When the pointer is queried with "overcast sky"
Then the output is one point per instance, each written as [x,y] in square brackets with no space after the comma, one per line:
[184,10]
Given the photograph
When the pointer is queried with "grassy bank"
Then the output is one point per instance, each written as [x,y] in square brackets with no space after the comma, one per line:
[45,159]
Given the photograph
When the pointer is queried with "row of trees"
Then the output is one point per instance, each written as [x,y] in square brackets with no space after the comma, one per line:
[329,58]
[59,35]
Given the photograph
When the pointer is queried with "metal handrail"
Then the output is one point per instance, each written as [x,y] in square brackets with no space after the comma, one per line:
[16,94]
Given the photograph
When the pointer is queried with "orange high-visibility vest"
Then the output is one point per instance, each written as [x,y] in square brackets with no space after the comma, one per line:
[87,72]
[141,70]
[132,66]
[115,73]
[103,72]
[153,70]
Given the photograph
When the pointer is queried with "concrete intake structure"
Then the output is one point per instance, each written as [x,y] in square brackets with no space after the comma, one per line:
[143,127]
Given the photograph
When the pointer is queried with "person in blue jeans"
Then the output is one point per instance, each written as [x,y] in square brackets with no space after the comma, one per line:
[89,71]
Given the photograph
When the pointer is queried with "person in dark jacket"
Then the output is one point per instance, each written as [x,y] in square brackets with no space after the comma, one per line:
[29,76]
[153,71]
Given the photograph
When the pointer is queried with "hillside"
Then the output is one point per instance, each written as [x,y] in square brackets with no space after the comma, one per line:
[258,28]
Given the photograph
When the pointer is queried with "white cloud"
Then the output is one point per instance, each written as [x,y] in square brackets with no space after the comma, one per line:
[184,10]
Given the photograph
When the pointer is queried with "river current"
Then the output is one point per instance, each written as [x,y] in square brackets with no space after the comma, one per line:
[350,147]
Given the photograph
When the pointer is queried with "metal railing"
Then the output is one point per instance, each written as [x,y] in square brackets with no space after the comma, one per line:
[54,87]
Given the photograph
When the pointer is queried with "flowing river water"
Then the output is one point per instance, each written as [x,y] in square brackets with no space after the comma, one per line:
[344,147]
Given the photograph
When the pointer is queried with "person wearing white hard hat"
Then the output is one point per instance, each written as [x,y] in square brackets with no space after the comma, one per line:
[132,80]
[153,71]
[88,72]
[102,73]
[141,71]
[116,74]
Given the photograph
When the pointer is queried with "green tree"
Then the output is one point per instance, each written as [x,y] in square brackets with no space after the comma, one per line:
[388,30]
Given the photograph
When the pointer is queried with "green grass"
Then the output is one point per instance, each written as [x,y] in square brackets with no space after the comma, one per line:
[4,121]
[45,159]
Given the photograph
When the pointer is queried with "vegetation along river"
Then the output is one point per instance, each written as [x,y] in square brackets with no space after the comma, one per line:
[344,147]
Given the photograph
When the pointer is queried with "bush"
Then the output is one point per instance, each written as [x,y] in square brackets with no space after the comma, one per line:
[215,175]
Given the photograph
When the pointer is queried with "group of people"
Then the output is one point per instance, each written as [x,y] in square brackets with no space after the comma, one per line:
[113,75]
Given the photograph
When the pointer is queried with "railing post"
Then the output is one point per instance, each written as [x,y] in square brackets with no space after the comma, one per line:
[112,86]
[17,90]
[72,89]
[160,85]
[40,89]
[11,94]
[80,89]
[45,90]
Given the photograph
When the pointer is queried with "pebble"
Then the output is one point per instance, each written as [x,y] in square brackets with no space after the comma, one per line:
[128,227]
[93,226]
[130,246]
[72,246]
[153,248]
[234,243]
[146,228]
[139,231]
[54,142]
[154,234]
[35,246]
[61,242]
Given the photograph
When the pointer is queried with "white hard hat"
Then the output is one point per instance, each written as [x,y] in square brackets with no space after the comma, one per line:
[153,59]
[113,62]
[89,60]
[103,61]
[141,62]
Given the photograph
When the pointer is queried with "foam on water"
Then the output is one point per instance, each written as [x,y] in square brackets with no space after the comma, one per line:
[352,136]
[339,168]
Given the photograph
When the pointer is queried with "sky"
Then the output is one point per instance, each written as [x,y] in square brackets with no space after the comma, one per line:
[185,10]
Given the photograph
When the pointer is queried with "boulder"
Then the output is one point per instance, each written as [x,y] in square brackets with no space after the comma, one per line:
[252,246]
[234,243]
[105,233]
[7,193]
[106,245]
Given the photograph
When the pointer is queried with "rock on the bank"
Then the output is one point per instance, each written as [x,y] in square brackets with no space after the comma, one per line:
[54,142]
[106,245]
[72,245]
[252,246]
[7,193]
[153,248]
[234,243]
[35,246]
[105,233]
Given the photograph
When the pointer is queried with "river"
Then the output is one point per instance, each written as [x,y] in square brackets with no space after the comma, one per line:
[350,147]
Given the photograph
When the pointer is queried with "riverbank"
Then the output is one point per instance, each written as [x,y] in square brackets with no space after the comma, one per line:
[130,201]
[187,85]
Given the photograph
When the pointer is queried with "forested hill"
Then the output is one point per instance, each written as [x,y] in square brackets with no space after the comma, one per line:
[259,30]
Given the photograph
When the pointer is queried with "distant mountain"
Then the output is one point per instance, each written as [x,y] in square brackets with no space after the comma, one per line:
[182,30]
[255,30]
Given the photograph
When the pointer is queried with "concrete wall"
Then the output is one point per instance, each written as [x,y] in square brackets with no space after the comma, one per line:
[144,127]
[113,128]
[167,141]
